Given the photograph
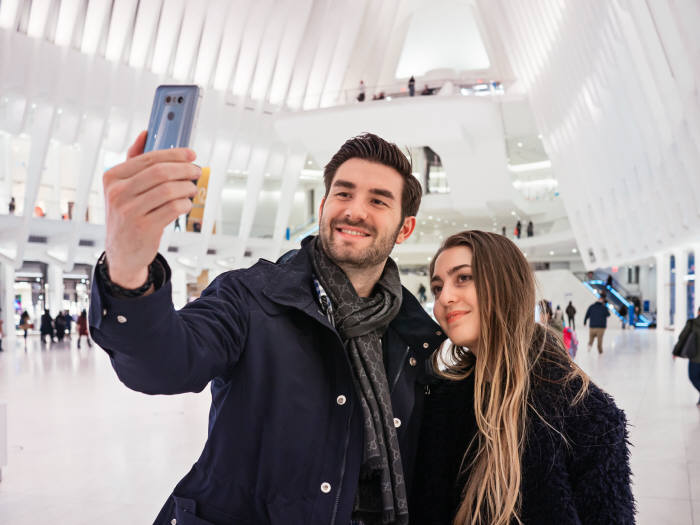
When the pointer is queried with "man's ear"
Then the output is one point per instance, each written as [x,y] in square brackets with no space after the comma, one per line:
[320,210]
[409,224]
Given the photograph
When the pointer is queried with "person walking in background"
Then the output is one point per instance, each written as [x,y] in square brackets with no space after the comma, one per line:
[411,86]
[518,229]
[46,327]
[570,314]
[558,321]
[83,328]
[503,231]
[421,293]
[598,314]
[623,314]
[361,94]
[69,320]
[60,325]
[12,206]
[609,281]
[426,91]
[690,336]
[530,229]
[25,324]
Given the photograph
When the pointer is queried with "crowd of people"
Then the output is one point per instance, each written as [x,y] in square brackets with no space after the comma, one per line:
[56,329]
[381,95]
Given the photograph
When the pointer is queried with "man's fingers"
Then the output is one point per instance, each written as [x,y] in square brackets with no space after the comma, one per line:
[156,197]
[161,174]
[138,145]
[168,212]
[140,162]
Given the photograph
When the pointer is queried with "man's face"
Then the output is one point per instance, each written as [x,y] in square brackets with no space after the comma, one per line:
[360,219]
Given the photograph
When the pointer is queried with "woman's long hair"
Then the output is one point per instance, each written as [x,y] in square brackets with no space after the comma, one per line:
[510,346]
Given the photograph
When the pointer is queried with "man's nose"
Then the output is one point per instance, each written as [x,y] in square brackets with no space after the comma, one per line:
[355,211]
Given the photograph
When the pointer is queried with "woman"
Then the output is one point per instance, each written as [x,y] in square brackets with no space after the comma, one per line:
[83,328]
[25,324]
[691,329]
[515,432]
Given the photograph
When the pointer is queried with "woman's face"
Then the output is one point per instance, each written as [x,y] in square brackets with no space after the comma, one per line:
[456,305]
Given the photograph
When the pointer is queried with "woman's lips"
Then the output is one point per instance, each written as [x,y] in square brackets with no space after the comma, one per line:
[453,316]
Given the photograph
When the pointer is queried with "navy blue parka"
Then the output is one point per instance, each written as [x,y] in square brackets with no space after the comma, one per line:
[285,427]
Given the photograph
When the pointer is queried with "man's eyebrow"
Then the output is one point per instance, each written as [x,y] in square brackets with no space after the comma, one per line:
[344,184]
[383,193]
[451,271]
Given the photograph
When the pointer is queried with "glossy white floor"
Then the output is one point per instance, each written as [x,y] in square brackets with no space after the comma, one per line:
[84,449]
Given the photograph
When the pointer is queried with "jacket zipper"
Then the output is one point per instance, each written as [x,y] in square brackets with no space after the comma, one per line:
[342,472]
[403,365]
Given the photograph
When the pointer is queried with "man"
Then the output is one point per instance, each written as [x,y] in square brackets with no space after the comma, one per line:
[317,364]
[691,328]
[598,314]
[571,314]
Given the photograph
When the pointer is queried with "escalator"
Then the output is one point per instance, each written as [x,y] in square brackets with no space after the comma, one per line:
[616,303]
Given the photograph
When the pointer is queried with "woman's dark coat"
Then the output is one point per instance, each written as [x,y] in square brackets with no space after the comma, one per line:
[586,481]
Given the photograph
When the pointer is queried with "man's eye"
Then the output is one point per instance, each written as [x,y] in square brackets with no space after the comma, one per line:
[377,201]
[342,194]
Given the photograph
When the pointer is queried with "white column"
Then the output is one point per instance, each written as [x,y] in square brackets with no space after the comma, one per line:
[54,299]
[663,298]
[681,285]
[178,281]
[7,288]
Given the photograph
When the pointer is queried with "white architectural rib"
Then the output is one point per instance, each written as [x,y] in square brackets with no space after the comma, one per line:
[95,24]
[188,41]
[37,18]
[217,13]
[168,30]
[305,58]
[250,47]
[8,13]
[144,32]
[121,23]
[65,26]
[294,31]
[351,17]
[269,49]
[231,43]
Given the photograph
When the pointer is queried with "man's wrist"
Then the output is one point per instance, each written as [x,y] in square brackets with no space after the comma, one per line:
[154,279]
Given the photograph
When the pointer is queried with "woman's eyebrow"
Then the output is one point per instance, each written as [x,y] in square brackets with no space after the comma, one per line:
[457,268]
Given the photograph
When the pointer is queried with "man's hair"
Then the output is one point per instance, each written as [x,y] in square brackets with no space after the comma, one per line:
[375,149]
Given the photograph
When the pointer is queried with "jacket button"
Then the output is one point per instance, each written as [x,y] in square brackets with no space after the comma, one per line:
[104,312]
[325,487]
[121,319]
[425,345]
[173,521]
[438,332]
[341,399]
[397,422]
[412,361]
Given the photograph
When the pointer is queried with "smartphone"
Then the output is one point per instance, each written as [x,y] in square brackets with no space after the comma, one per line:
[172,117]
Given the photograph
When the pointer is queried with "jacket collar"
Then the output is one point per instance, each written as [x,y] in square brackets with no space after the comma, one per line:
[291,284]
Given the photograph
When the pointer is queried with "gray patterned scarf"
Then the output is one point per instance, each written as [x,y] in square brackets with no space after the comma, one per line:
[360,321]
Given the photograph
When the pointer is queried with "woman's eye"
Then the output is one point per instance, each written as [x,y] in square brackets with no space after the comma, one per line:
[436,290]
[463,278]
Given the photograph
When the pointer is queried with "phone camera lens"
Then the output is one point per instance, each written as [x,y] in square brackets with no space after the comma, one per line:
[171,115]
[180,99]
[167,100]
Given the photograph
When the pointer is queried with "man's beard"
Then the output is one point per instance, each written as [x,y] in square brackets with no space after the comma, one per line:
[373,255]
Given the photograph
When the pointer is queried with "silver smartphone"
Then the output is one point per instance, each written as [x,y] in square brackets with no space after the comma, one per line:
[172,117]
